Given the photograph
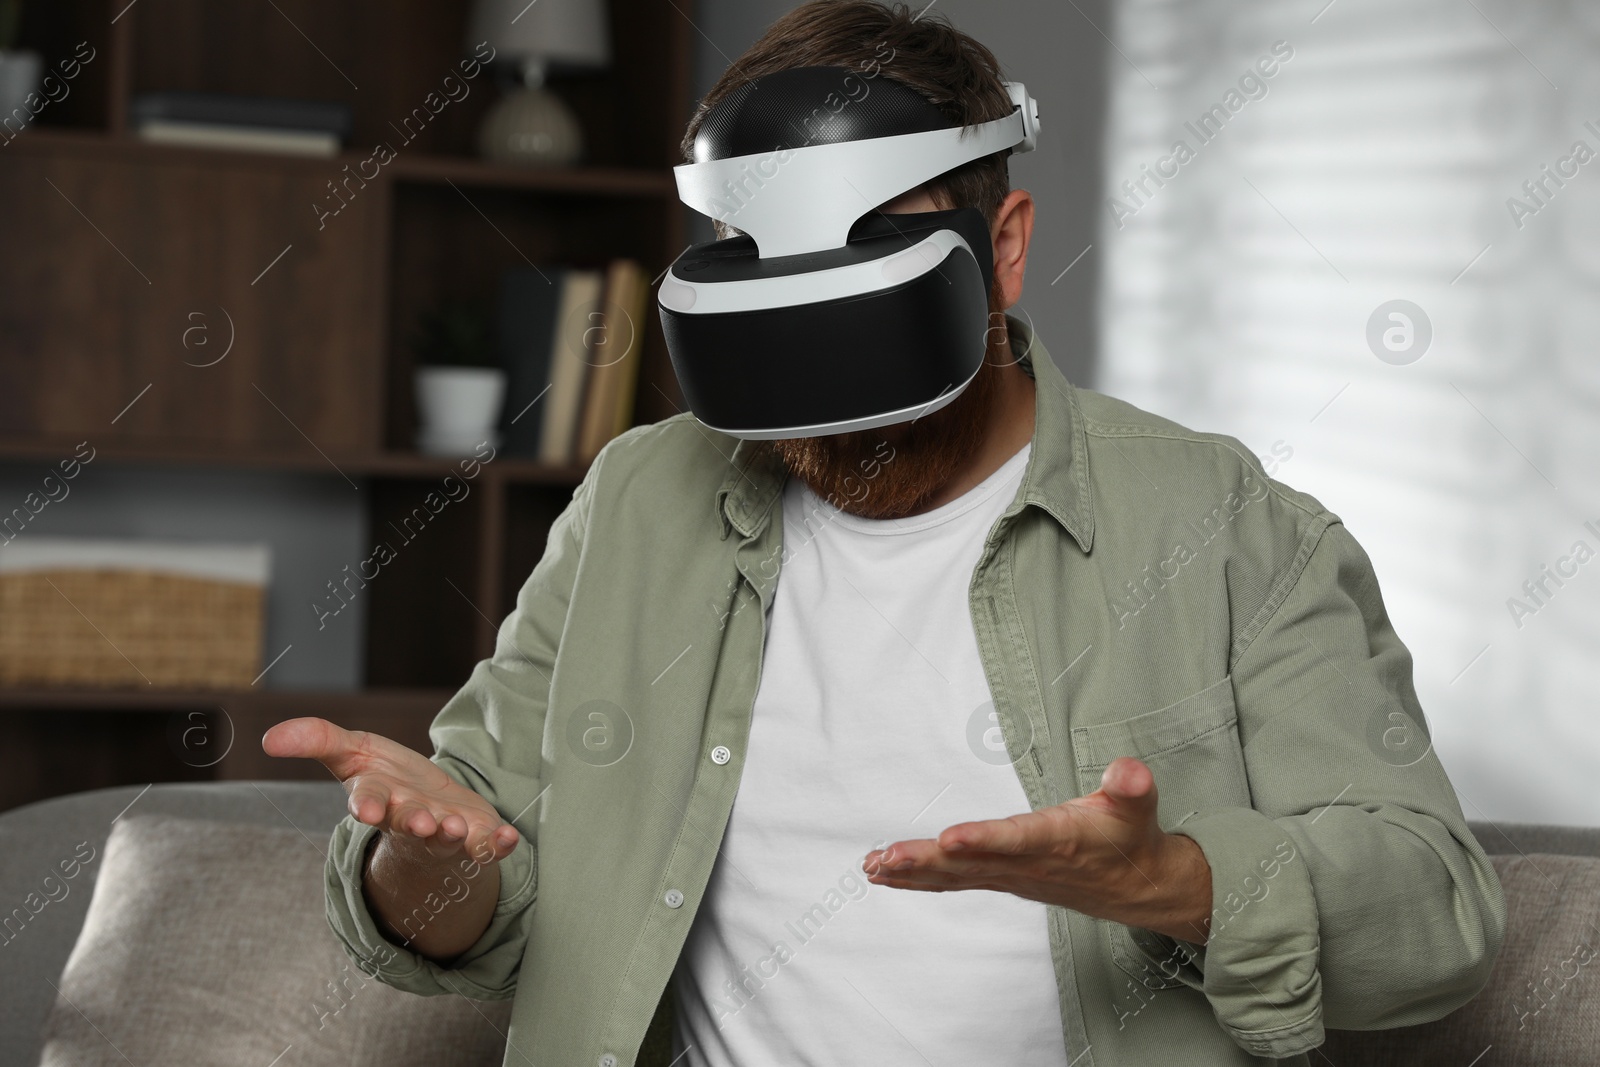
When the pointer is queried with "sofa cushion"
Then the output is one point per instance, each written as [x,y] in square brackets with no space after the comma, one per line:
[208,943]
[1542,1003]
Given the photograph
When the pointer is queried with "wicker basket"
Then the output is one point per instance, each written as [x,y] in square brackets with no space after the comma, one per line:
[117,626]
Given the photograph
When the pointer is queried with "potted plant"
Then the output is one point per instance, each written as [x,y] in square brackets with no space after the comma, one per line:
[19,71]
[459,387]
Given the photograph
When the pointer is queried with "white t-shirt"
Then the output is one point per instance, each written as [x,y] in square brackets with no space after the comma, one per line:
[872,724]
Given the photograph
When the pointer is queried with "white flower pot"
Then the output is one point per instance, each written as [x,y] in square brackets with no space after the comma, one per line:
[458,409]
[19,76]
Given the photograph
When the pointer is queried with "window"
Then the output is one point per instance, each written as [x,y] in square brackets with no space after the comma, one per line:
[1364,238]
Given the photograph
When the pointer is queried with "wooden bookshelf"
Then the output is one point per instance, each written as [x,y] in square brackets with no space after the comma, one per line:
[112,243]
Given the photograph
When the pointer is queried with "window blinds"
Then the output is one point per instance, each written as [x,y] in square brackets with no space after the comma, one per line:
[1364,238]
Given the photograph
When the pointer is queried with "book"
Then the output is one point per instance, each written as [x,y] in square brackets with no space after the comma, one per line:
[239,138]
[525,326]
[636,301]
[236,110]
[614,359]
[575,318]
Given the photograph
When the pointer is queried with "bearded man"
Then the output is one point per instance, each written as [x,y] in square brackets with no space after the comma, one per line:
[1034,729]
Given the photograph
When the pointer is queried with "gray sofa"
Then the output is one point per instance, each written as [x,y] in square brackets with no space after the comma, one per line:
[1561,1030]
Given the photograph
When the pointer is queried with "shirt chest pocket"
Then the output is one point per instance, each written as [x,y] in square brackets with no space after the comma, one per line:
[1192,747]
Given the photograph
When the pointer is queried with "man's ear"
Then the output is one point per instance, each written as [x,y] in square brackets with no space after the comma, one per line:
[1011,232]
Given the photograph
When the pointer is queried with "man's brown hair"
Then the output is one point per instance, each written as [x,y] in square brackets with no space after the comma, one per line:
[922,51]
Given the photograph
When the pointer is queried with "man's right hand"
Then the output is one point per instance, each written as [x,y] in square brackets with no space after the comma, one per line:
[429,823]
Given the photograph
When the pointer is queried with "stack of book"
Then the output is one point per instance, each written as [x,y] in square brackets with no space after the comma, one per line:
[249,123]
[570,339]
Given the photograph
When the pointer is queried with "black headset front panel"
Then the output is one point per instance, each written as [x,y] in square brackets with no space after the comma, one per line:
[836,360]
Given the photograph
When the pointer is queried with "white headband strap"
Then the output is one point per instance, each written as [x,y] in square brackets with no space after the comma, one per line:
[792,201]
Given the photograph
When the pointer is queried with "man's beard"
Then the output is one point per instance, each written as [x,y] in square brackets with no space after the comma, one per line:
[892,471]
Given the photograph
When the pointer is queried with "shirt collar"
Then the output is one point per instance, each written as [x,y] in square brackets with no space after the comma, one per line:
[1056,479]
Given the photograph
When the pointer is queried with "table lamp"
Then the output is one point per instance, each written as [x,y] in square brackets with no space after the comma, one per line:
[530,126]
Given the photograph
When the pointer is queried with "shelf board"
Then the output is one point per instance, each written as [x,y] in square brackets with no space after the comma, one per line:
[402,715]
[416,168]
[599,181]
[506,468]
[375,464]
[286,701]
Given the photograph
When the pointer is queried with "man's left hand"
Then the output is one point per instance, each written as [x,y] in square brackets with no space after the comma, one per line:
[1103,855]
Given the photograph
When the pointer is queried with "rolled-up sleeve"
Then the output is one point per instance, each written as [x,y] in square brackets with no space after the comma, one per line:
[1351,893]
[487,737]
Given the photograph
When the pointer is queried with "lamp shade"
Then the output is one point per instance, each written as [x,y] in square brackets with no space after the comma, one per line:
[569,34]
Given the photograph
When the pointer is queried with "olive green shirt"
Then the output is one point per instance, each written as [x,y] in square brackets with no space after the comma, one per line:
[1149,592]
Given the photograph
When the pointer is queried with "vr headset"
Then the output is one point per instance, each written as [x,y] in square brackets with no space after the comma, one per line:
[825,315]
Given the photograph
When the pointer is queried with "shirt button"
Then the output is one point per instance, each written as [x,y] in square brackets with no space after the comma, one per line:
[720,755]
[673,899]
[608,1060]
